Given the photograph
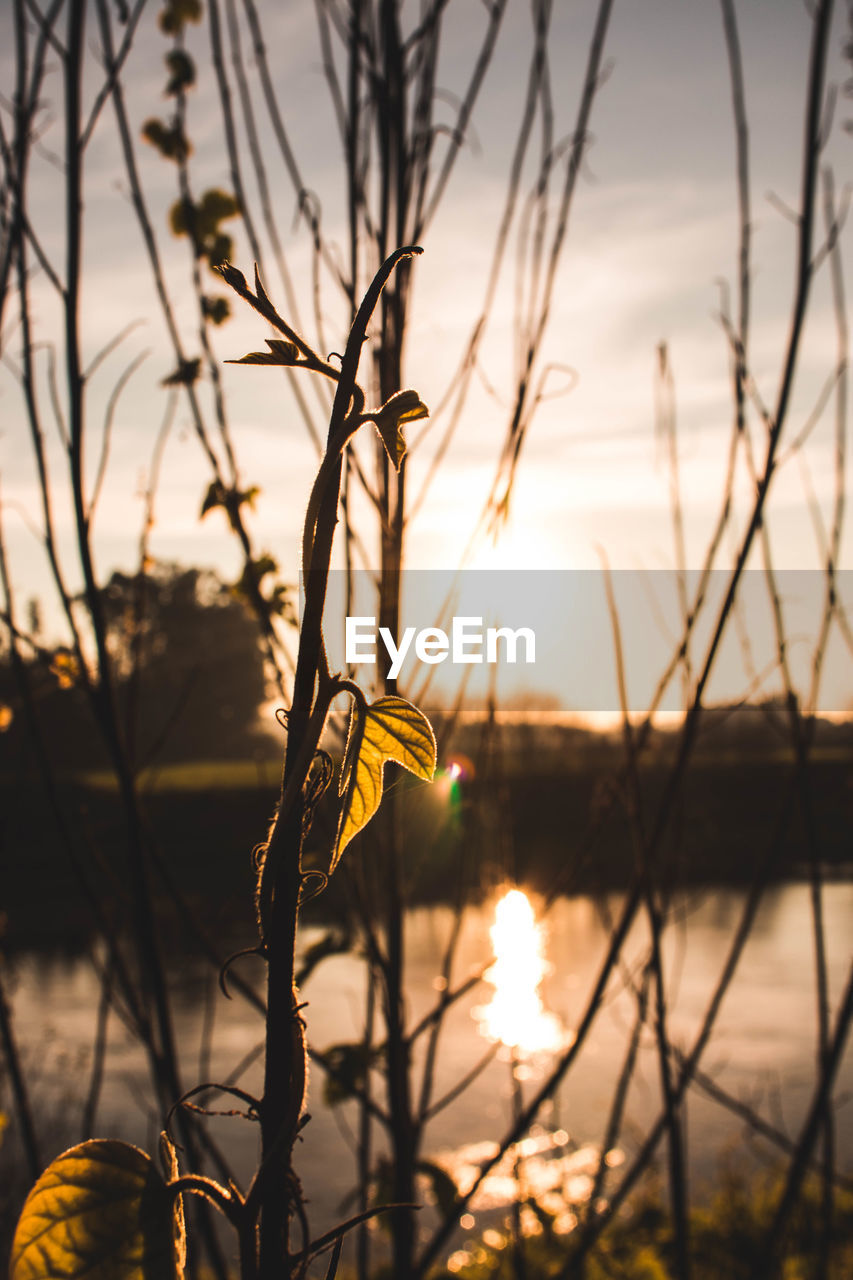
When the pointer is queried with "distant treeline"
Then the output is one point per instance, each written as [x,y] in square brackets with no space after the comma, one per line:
[187,669]
[553,739]
[552,818]
[527,796]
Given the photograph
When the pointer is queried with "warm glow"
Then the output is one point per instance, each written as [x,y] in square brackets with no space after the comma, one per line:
[515,1015]
[518,548]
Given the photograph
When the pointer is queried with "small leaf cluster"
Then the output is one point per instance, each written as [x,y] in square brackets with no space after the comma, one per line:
[231,500]
[66,668]
[169,139]
[187,372]
[201,220]
[181,70]
[175,15]
[249,585]
[347,1065]
[215,308]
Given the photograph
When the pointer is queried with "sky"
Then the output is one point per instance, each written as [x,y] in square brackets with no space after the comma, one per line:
[653,232]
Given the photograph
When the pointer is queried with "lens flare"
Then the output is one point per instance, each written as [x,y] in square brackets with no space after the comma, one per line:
[516,1015]
[459,768]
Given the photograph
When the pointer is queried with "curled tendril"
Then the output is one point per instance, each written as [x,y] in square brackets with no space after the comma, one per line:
[183,1103]
[307,895]
[259,950]
[282,716]
[323,770]
[319,777]
[251,1113]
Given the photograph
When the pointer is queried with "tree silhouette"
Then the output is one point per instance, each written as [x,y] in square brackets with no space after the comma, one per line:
[189,675]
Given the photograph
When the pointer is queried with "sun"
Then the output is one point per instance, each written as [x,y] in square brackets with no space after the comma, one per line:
[517,547]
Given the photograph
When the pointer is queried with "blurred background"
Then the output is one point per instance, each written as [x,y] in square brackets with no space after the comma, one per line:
[587,995]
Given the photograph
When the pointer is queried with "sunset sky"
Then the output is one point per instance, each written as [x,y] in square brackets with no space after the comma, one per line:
[653,232]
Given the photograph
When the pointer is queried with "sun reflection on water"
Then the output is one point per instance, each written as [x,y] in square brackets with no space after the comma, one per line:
[515,1015]
[544,1167]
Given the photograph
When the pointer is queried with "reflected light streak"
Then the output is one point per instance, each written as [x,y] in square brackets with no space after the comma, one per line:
[516,1015]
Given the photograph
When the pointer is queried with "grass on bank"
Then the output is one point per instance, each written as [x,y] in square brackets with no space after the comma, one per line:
[192,775]
[728,1237]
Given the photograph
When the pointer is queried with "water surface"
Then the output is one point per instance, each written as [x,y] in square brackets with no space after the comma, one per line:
[763,1050]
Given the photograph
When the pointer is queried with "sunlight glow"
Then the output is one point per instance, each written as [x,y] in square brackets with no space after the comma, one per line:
[516,1015]
[519,546]
[546,1168]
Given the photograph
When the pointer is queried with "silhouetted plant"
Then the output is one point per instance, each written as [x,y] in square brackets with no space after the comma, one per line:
[103,1204]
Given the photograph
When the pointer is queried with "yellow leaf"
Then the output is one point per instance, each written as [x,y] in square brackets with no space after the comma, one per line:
[99,1211]
[389,729]
[402,407]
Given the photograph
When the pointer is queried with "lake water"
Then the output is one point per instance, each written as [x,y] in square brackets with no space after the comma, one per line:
[762,1051]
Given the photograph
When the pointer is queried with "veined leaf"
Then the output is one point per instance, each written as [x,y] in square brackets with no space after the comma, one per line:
[280,352]
[402,407]
[389,729]
[100,1210]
